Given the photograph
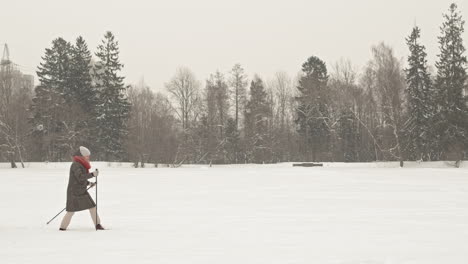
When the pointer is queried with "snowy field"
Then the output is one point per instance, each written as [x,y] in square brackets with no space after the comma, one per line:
[366,214]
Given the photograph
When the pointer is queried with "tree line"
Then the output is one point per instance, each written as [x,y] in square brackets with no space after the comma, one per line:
[383,113]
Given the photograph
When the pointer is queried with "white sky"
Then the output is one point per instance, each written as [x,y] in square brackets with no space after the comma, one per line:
[265,36]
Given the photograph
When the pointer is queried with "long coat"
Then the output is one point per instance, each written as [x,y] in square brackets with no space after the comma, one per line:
[78,198]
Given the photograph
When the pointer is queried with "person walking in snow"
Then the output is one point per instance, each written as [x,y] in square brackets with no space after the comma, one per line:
[78,198]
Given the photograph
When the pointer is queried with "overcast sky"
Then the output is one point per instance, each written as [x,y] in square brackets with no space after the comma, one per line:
[265,36]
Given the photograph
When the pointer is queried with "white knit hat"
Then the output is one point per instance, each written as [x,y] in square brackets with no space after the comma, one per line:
[84,151]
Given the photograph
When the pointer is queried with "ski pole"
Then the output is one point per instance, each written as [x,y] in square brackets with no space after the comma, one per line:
[96,203]
[66,208]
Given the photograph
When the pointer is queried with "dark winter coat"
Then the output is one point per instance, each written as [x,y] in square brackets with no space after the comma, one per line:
[78,198]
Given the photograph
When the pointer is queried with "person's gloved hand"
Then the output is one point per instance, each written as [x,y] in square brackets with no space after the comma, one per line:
[95,173]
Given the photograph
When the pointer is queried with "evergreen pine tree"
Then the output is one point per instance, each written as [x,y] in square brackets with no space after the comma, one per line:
[257,115]
[232,146]
[113,106]
[51,117]
[347,133]
[312,111]
[420,104]
[217,97]
[238,82]
[84,93]
[452,113]
[81,74]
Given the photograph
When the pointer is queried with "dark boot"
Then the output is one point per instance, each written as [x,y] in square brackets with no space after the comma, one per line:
[62,229]
[99,227]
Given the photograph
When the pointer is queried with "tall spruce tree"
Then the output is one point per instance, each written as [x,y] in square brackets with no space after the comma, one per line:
[346,131]
[217,108]
[452,113]
[217,90]
[81,73]
[312,110]
[238,82]
[232,146]
[83,92]
[257,115]
[420,100]
[51,117]
[113,106]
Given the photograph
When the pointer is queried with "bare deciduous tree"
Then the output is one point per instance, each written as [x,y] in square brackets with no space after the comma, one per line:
[389,90]
[185,91]
[15,96]
[152,136]
[281,89]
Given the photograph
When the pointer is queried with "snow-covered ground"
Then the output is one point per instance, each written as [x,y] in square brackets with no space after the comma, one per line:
[339,214]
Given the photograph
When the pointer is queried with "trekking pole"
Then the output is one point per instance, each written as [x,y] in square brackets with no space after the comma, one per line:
[96,204]
[66,208]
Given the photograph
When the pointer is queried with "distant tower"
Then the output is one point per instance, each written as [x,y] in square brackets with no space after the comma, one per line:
[6,56]
[10,73]
[6,76]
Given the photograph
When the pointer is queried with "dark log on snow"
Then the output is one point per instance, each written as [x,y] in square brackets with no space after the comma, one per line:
[308,164]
